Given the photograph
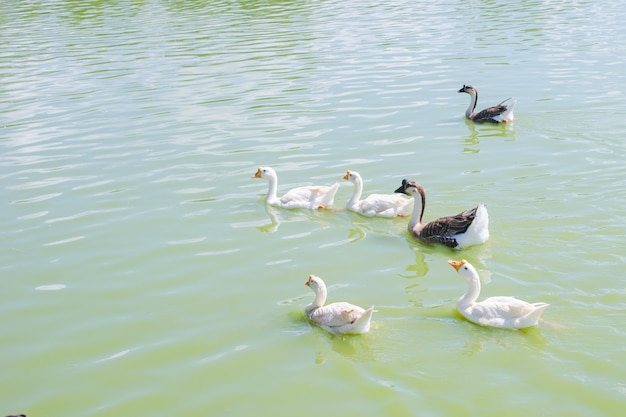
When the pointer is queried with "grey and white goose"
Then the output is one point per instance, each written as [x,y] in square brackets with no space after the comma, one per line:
[468,228]
[499,113]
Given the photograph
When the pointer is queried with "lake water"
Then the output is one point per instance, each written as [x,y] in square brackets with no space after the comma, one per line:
[142,273]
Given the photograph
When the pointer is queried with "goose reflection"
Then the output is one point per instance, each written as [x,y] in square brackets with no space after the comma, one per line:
[278,217]
[480,338]
[487,131]
[357,348]
[272,212]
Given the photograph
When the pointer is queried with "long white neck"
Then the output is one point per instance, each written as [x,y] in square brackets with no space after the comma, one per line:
[418,210]
[358,190]
[273,188]
[473,100]
[472,293]
[320,299]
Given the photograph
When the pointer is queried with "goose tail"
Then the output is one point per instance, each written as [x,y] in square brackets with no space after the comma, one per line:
[362,324]
[507,115]
[532,318]
[329,197]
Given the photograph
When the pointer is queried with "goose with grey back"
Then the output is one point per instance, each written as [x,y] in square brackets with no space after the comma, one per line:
[459,231]
[499,113]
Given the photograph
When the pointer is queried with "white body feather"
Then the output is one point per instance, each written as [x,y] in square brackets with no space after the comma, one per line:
[337,318]
[310,197]
[506,312]
[382,205]
[478,232]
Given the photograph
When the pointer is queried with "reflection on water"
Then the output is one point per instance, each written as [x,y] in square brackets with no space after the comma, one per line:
[357,226]
[487,131]
[272,212]
[354,347]
[419,268]
[481,338]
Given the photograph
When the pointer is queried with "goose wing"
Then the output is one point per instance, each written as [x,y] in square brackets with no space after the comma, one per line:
[504,312]
[443,229]
[389,205]
[309,196]
[300,195]
[490,113]
[336,314]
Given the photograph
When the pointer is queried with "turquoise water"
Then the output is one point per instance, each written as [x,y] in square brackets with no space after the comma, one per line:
[142,272]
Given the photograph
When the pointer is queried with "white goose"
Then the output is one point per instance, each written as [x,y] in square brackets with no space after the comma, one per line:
[495,114]
[311,197]
[383,205]
[494,311]
[337,318]
[459,231]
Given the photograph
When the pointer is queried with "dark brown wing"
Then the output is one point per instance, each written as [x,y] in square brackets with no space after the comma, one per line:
[488,114]
[443,229]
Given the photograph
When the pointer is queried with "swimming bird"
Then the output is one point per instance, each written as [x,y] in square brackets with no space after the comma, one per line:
[311,197]
[496,114]
[337,318]
[494,311]
[383,205]
[468,228]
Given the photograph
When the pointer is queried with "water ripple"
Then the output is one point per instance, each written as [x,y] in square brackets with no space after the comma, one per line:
[129,133]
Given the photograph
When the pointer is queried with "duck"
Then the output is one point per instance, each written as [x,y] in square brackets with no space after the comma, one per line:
[507,312]
[310,197]
[500,113]
[336,318]
[459,231]
[382,205]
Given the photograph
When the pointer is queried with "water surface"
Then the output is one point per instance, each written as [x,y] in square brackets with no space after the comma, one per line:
[142,272]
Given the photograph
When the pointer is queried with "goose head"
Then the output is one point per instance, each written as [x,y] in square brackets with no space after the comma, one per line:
[465,269]
[410,188]
[352,176]
[264,172]
[315,283]
[469,89]
[319,288]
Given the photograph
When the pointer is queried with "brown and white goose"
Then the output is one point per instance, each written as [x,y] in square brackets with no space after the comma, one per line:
[468,228]
[500,113]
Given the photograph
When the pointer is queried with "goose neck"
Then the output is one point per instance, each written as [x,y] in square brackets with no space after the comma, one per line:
[418,209]
[358,191]
[272,189]
[473,292]
[320,299]
[473,100]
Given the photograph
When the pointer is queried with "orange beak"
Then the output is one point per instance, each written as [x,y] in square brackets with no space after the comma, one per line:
[308,283]
[257,174]
[457,264]
[345,177]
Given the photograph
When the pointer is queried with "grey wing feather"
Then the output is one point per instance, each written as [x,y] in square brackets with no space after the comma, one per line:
[489,113]
[443,229]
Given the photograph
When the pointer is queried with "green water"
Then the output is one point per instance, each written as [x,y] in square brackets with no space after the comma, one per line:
[141,272]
